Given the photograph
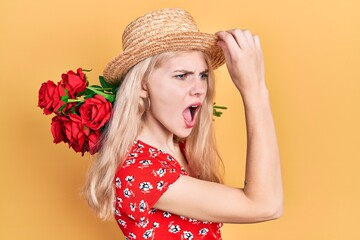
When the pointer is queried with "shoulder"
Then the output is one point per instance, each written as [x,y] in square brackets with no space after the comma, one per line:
[148,164]
[142,156]
[142,178]
[145,157]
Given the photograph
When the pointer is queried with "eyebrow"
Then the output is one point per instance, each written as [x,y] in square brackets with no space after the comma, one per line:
[191,72]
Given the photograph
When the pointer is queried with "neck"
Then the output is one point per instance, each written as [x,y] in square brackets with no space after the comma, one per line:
[157,135]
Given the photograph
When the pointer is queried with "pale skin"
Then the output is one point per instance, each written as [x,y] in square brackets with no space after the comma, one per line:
[262,197]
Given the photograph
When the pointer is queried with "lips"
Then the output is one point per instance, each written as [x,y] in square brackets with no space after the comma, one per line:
[190,114]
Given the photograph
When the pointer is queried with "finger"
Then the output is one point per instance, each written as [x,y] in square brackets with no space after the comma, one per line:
[243,37]
[257,42]
[239,37]
[249,37]
[229,41]
[225,50]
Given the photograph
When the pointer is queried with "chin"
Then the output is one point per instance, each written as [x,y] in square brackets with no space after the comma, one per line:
[183,134]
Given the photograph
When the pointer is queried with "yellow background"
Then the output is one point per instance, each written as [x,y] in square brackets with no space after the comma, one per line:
[312,58]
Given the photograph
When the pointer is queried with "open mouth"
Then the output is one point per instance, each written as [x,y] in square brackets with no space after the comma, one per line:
[190,114]
[193,111]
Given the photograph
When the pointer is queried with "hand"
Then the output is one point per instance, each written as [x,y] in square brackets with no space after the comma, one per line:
[244,59]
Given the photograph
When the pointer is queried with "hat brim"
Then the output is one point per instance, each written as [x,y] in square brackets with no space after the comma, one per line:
[187,41]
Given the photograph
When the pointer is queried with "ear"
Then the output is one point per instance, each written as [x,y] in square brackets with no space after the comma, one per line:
[144,92]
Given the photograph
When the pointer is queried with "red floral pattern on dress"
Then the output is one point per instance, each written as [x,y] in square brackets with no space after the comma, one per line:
[140,181]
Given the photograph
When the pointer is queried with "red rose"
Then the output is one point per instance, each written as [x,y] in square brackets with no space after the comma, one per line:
[93,141]
[46,93]
[95,112]
[80,115]
[76,133]
[57,102]
[57,128]
[74,82]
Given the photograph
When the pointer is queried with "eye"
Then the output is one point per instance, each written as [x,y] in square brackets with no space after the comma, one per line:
[204,76]
[181,76]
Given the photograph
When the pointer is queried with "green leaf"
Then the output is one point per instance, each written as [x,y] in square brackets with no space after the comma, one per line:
[88,92]
[95,86]
[108,87]
[220,107]
[109,97]
[65,98]
[90,95]
[81,93]
[105,84]
[217,113]
[73,110]
[86,70]
[77,105]
[61,108]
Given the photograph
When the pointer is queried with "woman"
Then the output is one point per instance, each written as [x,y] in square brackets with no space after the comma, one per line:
[158,165]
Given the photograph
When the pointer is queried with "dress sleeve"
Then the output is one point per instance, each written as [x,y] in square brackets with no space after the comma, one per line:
[140,182]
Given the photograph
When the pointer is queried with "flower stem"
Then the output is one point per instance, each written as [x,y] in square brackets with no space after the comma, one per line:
[74,100]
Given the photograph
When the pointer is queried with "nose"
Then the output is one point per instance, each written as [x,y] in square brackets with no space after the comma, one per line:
[198,87]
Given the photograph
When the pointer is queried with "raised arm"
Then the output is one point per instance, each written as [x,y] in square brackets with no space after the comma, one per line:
[262,197]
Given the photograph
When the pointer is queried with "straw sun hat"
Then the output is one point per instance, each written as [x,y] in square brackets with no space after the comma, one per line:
[161,31]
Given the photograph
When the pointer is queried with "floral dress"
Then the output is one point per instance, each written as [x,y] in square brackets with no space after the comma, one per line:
[140,181]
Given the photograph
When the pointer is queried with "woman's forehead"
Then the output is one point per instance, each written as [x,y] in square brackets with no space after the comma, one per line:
[190,61]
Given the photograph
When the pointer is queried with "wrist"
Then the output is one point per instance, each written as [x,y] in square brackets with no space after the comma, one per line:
[255,96]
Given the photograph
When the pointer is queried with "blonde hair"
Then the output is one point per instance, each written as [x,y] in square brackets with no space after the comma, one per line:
[126,122]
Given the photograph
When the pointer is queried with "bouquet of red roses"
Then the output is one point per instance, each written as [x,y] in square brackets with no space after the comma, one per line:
[81,111]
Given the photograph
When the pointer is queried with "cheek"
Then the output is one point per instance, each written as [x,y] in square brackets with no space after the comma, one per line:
[167,93]
[167,106]
[167,102]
